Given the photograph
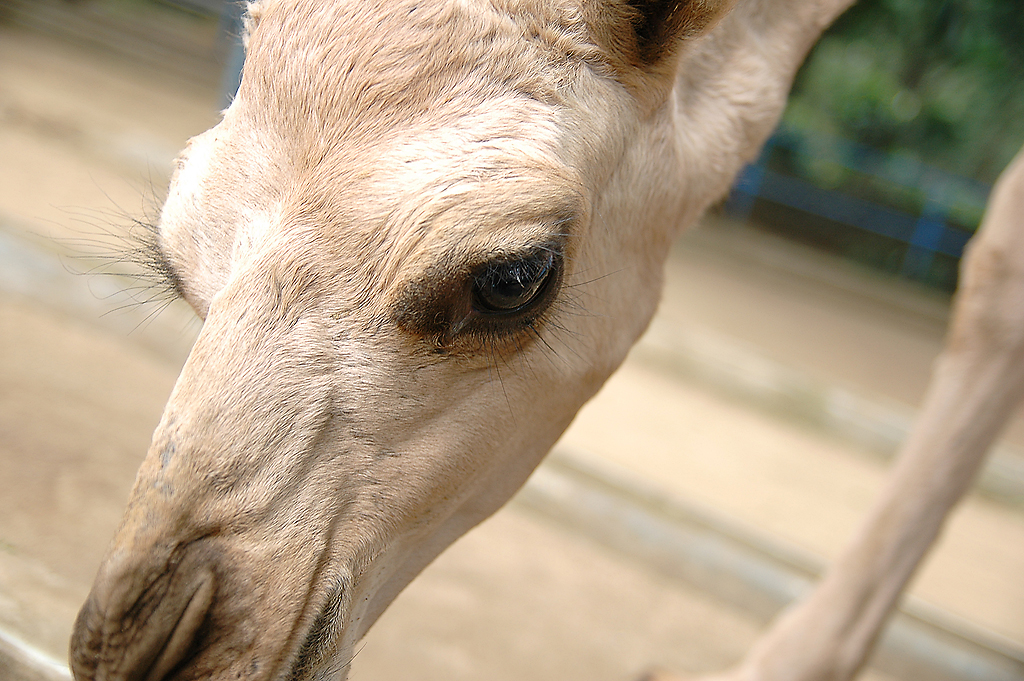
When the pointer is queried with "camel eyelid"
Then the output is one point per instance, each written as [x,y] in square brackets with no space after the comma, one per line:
[154,269]
[440,306]
[502,325]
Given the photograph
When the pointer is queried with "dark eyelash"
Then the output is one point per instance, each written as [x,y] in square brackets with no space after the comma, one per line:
[131,253]
[152,261]
[156,277]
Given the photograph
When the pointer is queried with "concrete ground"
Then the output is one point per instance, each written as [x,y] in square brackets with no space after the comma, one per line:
[807,487]
[86,138]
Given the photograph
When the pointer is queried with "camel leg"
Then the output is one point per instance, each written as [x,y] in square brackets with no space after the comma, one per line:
[977,382]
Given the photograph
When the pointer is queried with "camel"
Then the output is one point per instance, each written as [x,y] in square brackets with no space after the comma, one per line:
[421,237]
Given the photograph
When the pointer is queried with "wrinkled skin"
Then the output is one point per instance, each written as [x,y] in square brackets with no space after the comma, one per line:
[357,400]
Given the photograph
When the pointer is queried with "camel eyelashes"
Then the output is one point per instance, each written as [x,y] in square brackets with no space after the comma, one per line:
[513,286]
[508,295]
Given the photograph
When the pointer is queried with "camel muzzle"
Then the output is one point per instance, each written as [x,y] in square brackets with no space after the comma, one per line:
[142,618]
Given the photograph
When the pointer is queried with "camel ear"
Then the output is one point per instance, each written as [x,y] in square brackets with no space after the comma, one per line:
[643,33]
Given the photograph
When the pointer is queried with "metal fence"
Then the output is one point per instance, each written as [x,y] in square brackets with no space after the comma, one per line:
[948,207]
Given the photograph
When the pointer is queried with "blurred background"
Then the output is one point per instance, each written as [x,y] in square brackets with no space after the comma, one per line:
[706,485]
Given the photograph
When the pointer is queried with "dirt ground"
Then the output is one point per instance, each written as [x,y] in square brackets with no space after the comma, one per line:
[86,138]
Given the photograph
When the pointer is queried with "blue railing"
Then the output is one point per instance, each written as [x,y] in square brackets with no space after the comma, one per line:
[926,233]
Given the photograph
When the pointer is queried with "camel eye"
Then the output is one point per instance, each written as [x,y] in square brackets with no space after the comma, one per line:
[511,286]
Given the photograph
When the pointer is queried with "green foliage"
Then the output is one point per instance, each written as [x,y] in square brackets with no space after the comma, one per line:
[941,82]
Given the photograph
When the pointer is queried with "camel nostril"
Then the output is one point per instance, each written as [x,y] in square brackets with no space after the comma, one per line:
[144,637]
[185,630]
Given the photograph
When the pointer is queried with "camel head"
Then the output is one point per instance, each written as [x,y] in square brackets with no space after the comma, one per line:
[422,236]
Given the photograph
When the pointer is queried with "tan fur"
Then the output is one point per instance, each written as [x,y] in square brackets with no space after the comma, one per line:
[348,411]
